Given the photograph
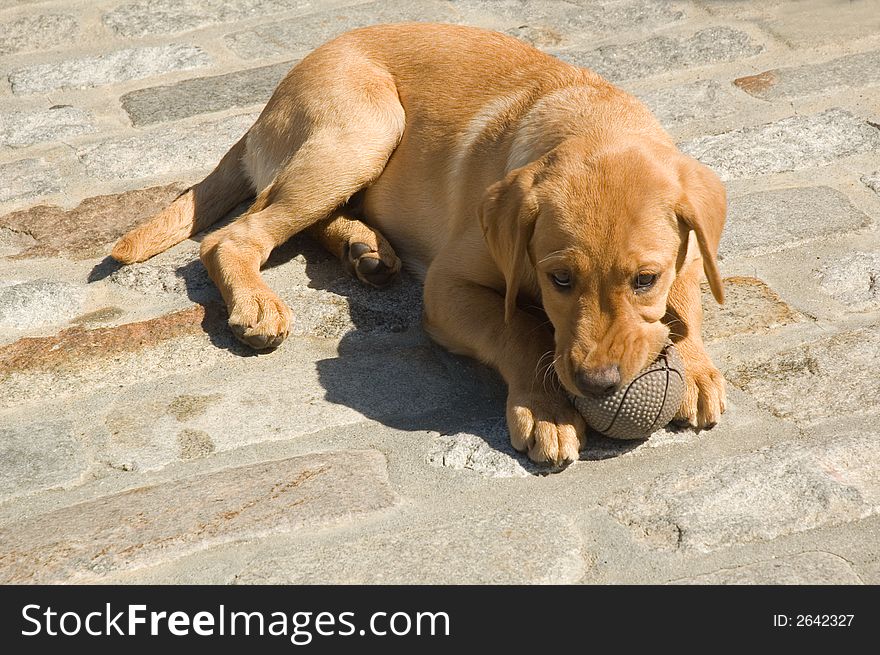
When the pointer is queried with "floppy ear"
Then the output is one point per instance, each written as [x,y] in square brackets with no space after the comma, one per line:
[507,215]
[703,208]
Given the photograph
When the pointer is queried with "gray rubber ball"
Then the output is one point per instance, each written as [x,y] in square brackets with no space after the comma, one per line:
[644,405]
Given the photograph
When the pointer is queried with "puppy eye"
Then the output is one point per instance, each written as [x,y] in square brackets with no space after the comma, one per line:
[561,279]
[644,281]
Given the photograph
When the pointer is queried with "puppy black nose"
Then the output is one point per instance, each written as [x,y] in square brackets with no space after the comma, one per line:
[601,381]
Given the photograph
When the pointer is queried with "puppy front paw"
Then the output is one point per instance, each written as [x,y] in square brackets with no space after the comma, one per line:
[546,426]
[705,396]
[260,319]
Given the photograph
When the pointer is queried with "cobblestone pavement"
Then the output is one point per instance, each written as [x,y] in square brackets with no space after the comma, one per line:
[140,443]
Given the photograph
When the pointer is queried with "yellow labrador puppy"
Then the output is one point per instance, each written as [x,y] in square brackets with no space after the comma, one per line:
[553,220]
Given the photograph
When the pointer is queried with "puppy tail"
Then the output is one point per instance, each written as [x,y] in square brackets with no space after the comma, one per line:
[193,210]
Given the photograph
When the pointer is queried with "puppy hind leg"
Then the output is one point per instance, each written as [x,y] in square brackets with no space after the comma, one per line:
[326,133]
[320,177]
[364,252]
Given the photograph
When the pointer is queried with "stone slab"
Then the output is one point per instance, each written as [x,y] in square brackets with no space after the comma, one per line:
[483,448]
[872,181]
[203,95]
[72,346]
[805,24]
[109,68]
[784,489]
[160,416]
[305,33]
[852,71]
[38,456]
[57,123]
[35,303]
[750,307]
[169,150]
[27,179]
[37,32]
[802,569]
[150,524]
[79,360]
[183,276]
[662,54]
[491,549]
[854,280]
[135,19]
[334,312]
[835,377]
[545,24]
[702,100]
[87,230]
[789,144]
[770,221]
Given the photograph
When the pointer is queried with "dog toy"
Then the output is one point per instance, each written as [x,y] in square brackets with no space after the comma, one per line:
[641,407]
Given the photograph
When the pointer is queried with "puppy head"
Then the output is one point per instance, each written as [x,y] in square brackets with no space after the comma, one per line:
[600,239]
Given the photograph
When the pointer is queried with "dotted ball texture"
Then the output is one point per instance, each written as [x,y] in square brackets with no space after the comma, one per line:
[644,405]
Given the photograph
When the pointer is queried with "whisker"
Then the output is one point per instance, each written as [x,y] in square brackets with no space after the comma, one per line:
[549,353]
[549,372]
[538,366]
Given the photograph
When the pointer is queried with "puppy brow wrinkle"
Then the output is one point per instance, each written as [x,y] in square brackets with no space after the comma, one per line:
[559,254]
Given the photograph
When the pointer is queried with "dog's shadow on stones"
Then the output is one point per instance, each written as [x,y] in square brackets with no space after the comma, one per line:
[389,370]
[386,367]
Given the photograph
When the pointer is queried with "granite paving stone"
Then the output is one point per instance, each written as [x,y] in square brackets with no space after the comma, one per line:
[164,151]
[109,68]
[89,228]
[168,16]
[138,527]
[37,32]
[803,25]
[79,359]
[703,100]
[28,178]
[203,95]
[854,280]
[35,303]
[834,377]
[488,452]
[789,144]
[13,242]
[548,23]
[308,32]
[801,569]
[770,221]
[163,416]
[660,54]
[483,549]
[57,123]
[859,70]
[780,490]
[39,455]
[750,307]
[184,276]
